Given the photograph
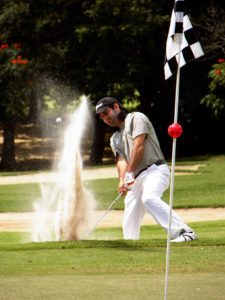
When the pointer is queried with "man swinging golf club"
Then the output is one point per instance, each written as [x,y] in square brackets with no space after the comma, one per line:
[143,172]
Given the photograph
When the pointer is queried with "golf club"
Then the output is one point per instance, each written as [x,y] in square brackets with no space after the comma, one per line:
[100,219]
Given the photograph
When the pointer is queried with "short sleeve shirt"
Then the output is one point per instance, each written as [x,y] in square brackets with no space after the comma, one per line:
[122,141]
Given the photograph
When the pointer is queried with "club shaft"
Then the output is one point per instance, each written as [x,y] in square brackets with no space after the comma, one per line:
[100,219]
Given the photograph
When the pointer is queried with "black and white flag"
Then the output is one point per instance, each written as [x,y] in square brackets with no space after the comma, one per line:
[181,39]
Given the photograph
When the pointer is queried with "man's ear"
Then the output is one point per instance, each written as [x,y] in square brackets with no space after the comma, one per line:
[117,107]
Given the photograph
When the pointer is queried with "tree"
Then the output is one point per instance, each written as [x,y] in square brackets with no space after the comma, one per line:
[122,48]
[214,38]
[81,40]
[32,42]
[215,100]
[128,56]
[13,89]
[212,28]
[102,47]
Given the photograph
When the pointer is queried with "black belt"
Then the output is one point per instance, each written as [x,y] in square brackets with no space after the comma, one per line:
[157,163]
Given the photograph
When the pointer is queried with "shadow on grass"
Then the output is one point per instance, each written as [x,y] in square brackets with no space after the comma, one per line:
[116,244]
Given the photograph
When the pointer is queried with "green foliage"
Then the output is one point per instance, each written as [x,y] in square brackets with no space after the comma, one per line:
[98,48]
[215,100]
[126,32]
[58,98]
[14,82]
[131,105]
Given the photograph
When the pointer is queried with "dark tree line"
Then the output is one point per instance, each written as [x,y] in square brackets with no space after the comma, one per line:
[103,48]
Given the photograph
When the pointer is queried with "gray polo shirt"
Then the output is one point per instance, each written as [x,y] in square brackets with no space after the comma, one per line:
[122,141]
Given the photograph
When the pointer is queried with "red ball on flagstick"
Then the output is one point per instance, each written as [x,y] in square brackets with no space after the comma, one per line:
[175,130]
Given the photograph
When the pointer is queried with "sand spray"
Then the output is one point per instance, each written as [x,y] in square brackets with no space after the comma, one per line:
[65,209]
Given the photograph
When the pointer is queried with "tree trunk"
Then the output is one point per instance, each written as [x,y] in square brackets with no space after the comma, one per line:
[8,161]
[33,109]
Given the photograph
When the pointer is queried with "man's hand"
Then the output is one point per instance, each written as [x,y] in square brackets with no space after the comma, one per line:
[121,187]
[126,183]
[128,180]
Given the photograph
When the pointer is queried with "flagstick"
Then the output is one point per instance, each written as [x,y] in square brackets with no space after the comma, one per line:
[172,178]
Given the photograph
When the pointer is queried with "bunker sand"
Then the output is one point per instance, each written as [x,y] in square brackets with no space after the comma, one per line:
[23,222]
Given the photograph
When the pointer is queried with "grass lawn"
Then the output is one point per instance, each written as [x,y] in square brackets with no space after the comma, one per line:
[200,286]
[18,197]
[114,269]
[205,188]
[107,267]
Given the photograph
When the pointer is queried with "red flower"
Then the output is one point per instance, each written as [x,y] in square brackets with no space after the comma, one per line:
[14,61]
[217,72]
[221,60]
[4,46]
[23,61]
[19,61]
[17,46]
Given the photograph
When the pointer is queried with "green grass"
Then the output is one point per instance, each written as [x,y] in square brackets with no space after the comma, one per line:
[114,269]
[204,188]
[201,286]
[19,256]
[102,256]
[18,197]
[108,267]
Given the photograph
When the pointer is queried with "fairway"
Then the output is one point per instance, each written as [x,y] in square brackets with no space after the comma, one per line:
[108,267]
[204,188]
[207,286]
[114,269]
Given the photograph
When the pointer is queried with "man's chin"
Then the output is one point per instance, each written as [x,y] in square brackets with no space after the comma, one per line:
[111,124]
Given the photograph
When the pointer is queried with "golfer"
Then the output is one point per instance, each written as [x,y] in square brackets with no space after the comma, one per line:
[143,172]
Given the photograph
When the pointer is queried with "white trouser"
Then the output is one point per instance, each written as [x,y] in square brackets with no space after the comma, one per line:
[145,195]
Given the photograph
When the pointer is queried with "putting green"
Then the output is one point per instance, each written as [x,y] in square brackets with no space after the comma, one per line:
[207,286]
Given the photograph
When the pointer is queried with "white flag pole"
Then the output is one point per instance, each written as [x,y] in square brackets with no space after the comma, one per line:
[172,176]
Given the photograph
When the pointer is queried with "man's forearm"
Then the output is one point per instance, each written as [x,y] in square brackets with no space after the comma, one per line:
[121,166]
[137,153]
[136,157]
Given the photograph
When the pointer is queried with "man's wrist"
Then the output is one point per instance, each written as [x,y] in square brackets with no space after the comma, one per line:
[129,175]
[129,180]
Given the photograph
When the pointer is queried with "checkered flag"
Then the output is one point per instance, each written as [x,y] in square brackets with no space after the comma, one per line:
[181,39]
